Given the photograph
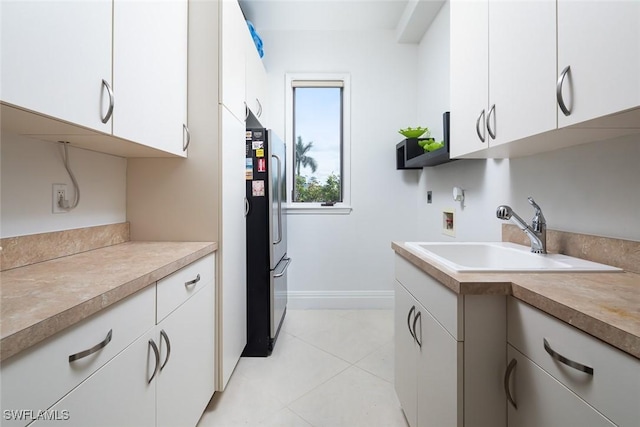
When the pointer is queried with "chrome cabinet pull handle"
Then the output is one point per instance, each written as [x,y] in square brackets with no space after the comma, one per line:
[164,335]
[415,320]
[154,347]
[481,136]
[192,282]
[507,377]
[492,111]
[93,349]
[185,141]
[413,308]
[107,116]
[560,358]
[563,74]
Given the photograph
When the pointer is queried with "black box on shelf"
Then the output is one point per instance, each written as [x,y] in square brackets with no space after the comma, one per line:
[409,155]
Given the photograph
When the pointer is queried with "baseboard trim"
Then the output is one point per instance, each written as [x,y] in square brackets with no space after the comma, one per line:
[304,300]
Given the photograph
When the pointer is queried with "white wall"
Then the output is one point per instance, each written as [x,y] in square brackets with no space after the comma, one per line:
[591,188]
[29,167]
[346,260]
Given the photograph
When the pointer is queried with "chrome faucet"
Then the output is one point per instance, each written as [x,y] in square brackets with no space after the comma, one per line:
[537,232]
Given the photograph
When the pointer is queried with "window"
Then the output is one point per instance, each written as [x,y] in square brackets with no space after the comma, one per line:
[318,141]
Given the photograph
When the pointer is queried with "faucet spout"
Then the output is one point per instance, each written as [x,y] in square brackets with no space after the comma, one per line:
[537,232]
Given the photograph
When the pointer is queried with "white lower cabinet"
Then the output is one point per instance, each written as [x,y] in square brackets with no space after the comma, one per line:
[601,379]
[119,394]
[425,365]
[185,380]
[541,400]
[141,374]
[449,353]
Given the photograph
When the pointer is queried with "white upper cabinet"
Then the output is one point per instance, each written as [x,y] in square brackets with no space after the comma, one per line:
[55,56]
[233,29]
[150,73]
[256,85]
[106,75]
[535,76]
[600,42]
[503,68]
[469,76]
[522,69]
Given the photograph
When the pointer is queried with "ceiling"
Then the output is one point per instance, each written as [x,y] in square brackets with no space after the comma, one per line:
[339,15]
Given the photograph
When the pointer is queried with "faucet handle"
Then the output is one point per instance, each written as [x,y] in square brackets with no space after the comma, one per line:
[538,217]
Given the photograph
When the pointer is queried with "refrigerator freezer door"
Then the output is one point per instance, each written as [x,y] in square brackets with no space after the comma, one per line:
[279,294]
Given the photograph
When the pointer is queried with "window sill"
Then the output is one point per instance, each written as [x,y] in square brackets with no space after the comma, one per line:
[316,209]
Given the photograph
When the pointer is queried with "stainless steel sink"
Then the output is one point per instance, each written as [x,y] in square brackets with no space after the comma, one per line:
[501,256]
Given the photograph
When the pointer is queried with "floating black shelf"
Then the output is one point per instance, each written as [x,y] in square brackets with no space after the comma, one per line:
[409,155]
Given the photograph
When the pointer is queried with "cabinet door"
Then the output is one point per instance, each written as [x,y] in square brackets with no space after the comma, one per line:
[469,76]
[233,29]
[54,58]
[543,401]
[232,246]
[405,356]
[439,396]
[522,69]
[600,41]
[119,394]
[185,383]
[150,72]
[256,84]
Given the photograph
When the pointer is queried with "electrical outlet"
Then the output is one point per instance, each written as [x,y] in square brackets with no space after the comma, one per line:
[59,198]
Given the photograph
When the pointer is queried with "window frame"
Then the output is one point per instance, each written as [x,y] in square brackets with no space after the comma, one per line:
[343,207]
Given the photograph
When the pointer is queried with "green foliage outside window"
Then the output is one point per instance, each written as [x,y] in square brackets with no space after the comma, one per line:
[312,190]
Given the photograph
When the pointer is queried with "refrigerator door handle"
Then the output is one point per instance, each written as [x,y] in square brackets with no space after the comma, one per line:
[246,206]
[279,239]
[284,270]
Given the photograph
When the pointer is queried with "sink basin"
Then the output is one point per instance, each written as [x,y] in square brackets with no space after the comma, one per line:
[501,256]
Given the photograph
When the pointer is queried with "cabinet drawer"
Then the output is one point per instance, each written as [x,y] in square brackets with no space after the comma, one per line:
[36,378]
[543,401]
[178,287]
[616,375]
[443,304]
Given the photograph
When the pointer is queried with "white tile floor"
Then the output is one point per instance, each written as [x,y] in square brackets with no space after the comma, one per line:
[329,368]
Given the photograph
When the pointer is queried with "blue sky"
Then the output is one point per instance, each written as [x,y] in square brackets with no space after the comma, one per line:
[317,114]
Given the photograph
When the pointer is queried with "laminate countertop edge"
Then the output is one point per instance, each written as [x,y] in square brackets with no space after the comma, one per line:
[39,300]
[604,305]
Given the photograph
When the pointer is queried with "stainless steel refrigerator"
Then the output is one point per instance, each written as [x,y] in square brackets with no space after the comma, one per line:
[267,260]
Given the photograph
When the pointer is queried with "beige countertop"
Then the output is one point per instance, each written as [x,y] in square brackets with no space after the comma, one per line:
[605,305]
[42,299]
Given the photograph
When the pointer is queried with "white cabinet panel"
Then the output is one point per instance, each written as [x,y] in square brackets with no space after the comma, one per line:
[405,354]
[543,401]
[469,76]
[54,58]
[233,29]
[185,382]
[600,41]
[150,72]
[119,394]
[439,374]
[522,69]
[256,84]
[233,282]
